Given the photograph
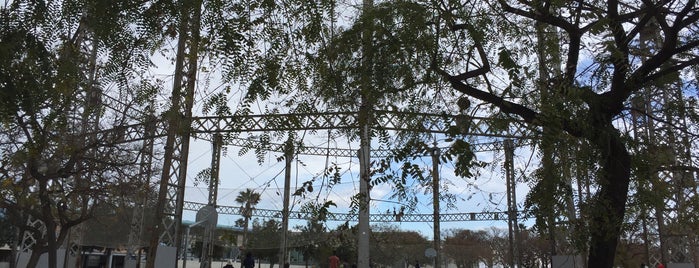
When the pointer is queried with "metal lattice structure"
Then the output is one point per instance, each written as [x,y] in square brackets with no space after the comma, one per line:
[381,217]
[208,125]
[180,125]
[667,232]
[439,123]
[416,122]
[661,129]
[28,239]
[137,219]
[168,214]
[512,217]
[385,120]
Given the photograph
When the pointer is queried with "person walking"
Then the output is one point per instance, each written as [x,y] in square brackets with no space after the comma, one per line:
[248,262]
[334,261]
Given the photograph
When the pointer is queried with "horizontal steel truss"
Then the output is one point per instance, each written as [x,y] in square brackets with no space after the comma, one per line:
[382,217]
[383,120]
[386,120]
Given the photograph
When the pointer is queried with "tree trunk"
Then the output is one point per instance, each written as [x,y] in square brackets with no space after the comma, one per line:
[245,233]
[49,238]
[610,202]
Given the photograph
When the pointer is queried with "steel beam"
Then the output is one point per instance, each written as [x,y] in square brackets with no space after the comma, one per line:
[383,120]
[381,217]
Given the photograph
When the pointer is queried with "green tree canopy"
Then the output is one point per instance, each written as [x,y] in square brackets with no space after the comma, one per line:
[60,60]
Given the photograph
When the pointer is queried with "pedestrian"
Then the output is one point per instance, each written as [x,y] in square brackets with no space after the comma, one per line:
[417,264]
[228,265]
[248,262]
[334,261]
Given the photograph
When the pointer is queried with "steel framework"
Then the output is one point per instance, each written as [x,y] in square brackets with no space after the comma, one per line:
[666,225]
[179,125]
[381,217]
[168,209]
[661,129]
[172,182]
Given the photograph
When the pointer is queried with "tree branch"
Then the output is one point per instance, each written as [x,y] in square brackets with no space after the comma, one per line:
[676,127]
[680,21]
[527,114]
[544,16]
[481,53]
[621,60]
[669,70]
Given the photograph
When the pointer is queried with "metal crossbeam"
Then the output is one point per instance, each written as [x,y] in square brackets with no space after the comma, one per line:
[274,122]
[134,132]
[381,217]
[349,152]
[386,120]
[431,123]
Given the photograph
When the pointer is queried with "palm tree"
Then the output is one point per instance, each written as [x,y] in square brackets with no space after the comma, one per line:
[247,199]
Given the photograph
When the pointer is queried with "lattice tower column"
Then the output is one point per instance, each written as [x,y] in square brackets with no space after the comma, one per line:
[28,239]
[549,60]
[217,145]
[168,216]
[663,112]
[288,157]
[643,134]
[90,118]
[512,224]
[208,238]
[680,182]
[667,231]
[436,235]
[365,119]
[145,173]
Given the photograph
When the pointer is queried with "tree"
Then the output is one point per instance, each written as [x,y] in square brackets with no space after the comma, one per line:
[59,61]
[264,243]
[534,249]
[500,245]
[390,246]
[248,199]
[313,235]
[308,240]
[109,223]
[229,239]
[342,241]
[587,95]
[467,248]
